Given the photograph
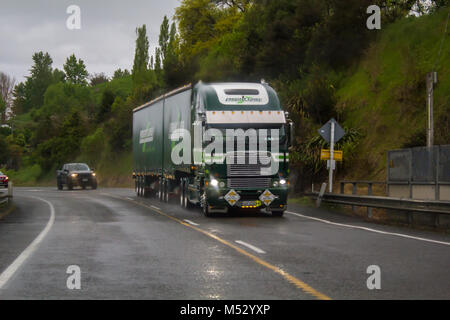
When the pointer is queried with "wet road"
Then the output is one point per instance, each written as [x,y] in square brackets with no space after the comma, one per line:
[133,248]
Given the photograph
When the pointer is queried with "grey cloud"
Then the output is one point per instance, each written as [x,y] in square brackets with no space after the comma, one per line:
[105,42]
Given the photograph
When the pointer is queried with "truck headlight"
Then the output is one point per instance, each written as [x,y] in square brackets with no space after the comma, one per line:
[214,182]
[222,184]
[282,182]
[94,174]
[74,175]
[275,184]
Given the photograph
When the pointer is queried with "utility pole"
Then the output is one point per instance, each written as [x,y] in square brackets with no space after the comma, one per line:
[431,80]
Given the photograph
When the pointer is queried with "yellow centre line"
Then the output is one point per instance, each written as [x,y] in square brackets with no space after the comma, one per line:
[290,278]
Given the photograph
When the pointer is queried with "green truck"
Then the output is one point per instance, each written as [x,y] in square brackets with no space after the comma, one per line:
[218,146]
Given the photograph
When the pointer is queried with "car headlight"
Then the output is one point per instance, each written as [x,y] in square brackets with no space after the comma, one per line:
[283,182]
[214,182]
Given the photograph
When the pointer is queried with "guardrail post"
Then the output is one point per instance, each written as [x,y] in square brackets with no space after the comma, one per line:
[10,191]
[436,220]
[342,187]
[321,193]
[354,192]
[369,209]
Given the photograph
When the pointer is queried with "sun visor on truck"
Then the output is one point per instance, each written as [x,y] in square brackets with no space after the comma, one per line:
[233,117]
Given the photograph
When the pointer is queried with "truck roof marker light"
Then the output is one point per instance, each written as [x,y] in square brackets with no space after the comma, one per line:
[214,112]
[242,112]
[223,112]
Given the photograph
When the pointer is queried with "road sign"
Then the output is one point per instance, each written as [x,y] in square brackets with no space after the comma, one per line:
[325,155]
[325,131]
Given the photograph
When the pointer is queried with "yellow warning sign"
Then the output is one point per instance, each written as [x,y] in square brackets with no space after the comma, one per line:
[338,155]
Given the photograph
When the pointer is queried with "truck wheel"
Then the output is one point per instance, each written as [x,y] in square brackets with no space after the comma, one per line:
[60,186]
[277,213]
[205,207]
[94,186]
[182,194]
[187,204]
[70,186]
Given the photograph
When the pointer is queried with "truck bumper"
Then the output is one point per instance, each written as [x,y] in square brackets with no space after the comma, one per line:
[216,199]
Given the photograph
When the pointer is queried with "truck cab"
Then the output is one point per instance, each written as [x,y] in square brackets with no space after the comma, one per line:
[250,171]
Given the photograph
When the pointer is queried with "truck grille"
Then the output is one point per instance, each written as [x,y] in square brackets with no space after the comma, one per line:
[238,183]
[246,165]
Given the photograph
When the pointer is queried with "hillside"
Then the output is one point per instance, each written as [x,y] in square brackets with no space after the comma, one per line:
[385,96]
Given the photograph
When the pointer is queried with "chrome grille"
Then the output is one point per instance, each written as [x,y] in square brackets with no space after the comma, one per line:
[245,164]
[239,183]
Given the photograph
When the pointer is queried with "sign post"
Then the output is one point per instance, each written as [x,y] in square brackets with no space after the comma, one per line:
[330,175]
[332,132]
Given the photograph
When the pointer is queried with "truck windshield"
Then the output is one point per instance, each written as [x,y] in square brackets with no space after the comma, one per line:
[78,167]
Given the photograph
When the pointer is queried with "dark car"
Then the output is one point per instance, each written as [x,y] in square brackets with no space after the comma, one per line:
[76,175]
[4,180]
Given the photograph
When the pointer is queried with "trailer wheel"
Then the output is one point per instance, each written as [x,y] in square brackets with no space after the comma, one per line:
[166,192]
[160,189]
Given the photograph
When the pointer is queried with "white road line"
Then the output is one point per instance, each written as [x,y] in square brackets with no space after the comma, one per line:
[248,245]
[9,272]
[155,207]
[190,222]
[369,229]
[130,199]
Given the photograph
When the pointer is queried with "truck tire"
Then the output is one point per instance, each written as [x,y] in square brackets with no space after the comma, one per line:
[205,207]
[94,186]
[278,213]
[60,186]
[182,194]
[69,185]
[187,204]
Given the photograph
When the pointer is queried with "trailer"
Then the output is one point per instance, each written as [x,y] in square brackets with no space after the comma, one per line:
[218,146]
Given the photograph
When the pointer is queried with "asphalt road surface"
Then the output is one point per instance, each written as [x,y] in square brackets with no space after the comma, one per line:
[131,248]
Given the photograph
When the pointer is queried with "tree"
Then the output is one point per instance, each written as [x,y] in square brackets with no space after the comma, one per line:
[98,78]
[164,38]
[2,110]
[119,73]
[40,79]
[141,57]
[75,70]
[6,94]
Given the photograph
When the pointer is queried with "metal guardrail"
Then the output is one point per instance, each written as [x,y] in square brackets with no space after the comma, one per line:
[409,206]
[6,197]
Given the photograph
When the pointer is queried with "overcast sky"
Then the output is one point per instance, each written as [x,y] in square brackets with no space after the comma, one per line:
[105,42]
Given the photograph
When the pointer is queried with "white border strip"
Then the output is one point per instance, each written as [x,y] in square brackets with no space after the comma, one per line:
[190,222]
[369,229]
[9,272]
[256,249]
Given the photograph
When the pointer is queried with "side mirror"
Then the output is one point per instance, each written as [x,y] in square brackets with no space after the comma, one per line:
[291,133]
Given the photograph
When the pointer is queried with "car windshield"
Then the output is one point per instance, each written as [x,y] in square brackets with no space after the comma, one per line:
[78,167]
